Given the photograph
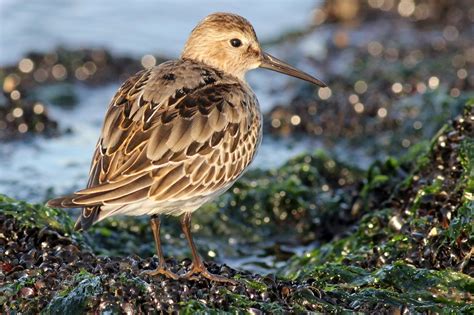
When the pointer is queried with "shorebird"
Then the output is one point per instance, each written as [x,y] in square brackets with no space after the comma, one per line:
[179,134]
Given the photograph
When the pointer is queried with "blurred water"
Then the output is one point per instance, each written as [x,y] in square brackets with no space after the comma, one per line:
[135,27]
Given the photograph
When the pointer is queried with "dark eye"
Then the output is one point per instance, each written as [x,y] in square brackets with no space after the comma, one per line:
[235,42]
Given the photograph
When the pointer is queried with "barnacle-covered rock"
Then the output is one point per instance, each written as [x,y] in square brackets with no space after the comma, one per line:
[417,241]
[409,249]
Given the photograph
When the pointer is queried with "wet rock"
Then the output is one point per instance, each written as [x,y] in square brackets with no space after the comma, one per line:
[104,283]
[422,13]
[415,239]
[405,253]
[22,117]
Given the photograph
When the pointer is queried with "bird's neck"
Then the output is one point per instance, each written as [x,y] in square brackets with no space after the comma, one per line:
[216,64]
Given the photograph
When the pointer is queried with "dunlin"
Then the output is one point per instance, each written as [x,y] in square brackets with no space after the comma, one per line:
[179,134]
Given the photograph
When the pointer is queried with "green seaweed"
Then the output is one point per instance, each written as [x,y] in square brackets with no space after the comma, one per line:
[9,291]
[382,260]
[192,306]
[75,301]
[37,215]
[258,286]
[397,285]
[240,303]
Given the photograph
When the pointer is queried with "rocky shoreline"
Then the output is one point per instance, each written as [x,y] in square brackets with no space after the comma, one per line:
[412,252]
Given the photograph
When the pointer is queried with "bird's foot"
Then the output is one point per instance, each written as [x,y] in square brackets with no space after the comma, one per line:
[161,270]
[201,271]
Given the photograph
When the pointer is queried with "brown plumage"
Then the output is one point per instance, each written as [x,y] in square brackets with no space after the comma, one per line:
[179,134]
[169,141]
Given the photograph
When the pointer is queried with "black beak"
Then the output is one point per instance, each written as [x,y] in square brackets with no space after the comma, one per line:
[275,64]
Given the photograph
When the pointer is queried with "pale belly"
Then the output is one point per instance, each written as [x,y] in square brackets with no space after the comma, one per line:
[169,207]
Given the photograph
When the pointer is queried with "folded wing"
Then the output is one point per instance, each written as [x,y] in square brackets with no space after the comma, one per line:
[191,142]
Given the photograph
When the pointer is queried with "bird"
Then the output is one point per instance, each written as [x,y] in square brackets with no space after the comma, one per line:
[179,134]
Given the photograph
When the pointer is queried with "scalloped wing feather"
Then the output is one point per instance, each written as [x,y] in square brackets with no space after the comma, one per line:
[170,141]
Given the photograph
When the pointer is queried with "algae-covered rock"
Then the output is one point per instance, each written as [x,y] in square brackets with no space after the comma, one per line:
[409,249]
[414,250]
[74,301]
[36,216]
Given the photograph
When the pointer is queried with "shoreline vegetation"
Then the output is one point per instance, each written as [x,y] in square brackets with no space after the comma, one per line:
[323,232]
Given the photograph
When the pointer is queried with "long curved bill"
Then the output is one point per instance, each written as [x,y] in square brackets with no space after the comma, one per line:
[275,64]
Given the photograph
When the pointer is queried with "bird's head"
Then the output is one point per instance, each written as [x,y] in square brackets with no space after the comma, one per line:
[228,42]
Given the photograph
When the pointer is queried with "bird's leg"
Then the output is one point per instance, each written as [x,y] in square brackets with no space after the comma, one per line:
[197,266]
[161,269]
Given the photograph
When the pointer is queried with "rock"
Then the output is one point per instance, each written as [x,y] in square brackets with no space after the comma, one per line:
[410,258]
[375,268]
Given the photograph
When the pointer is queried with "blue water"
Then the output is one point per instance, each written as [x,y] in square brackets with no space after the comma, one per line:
[134,27]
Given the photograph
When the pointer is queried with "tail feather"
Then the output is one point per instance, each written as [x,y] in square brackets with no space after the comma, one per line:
[78,225]
[63,202]
[88,217]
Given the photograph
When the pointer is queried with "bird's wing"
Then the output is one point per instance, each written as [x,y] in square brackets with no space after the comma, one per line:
[192,143]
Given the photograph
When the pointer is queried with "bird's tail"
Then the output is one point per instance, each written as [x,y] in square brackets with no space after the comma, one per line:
[88,216]
[63,202]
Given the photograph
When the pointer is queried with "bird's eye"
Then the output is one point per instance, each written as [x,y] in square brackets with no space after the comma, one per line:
[235,42]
